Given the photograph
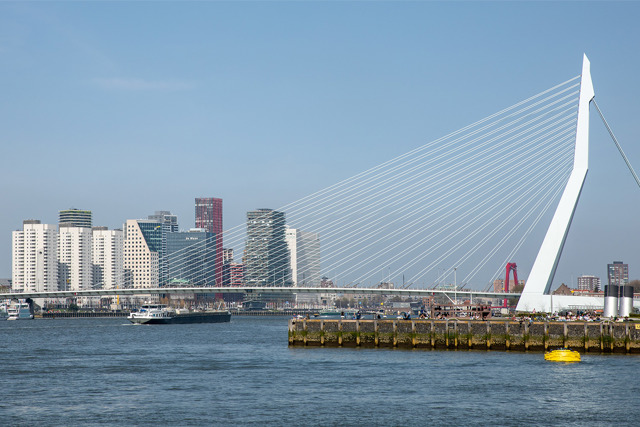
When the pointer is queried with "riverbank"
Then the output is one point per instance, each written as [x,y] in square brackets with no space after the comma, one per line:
[592,337]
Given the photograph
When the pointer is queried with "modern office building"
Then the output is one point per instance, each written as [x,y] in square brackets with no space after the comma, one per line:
[208,216]
[141,253]
[588,283]
[75,268]
[75,218]
[266,258]
[191,258]
[169,224]
[35,257]
[107,255]
[618,273]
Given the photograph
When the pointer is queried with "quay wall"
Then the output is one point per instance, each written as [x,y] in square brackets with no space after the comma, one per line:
[592,337]
[83,314]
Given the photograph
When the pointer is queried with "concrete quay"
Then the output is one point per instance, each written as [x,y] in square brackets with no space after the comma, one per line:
[502,335]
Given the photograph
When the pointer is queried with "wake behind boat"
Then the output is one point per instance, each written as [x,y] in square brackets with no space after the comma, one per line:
[160,314]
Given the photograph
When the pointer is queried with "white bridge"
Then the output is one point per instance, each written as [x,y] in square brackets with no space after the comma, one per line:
[461,206]
[254,290]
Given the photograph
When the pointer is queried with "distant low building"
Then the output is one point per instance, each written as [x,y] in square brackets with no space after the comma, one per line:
[588,283]
[563,290]
[498,285]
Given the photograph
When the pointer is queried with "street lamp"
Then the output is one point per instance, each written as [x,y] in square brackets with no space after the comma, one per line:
[455,292]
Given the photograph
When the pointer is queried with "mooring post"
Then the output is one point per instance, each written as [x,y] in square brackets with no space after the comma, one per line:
[611,335]
[304,333]
[446,333]
[433,334]
[291,323]
[469,335]
[376,338]
[455,334]
[586,337]
[526,336]
[507,338]
[546,335]
[358,332]
[322,332]
[564,334]
[488,339]
[601,337]
[627,337]
[413,333]
[395,333]
[340,332]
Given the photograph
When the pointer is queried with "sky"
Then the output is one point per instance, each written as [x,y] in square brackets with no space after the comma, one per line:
[125,108]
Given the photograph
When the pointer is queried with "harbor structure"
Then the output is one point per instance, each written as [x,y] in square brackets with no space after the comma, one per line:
[527,335]
[208,216]
[75,269]
[35,257]
[141,253]
[107,255]
[75,218]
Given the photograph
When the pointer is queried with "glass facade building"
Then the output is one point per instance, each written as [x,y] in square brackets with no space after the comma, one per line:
[191,258]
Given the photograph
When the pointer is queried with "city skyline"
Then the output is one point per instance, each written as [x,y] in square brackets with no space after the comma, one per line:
[324,105]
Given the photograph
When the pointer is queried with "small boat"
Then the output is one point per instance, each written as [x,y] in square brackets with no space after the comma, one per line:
[19,310]
[562,355]
[159,314]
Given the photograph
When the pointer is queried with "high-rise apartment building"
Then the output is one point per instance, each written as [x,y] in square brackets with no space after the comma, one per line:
[75,218]
[588,283]
[266,258]
[618,273]
[304,254]
[209,217]
[191,258]
[141,253]
[107,255]
[75,268]
[35,257]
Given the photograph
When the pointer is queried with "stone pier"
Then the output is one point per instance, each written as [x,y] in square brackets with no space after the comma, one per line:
[592,337]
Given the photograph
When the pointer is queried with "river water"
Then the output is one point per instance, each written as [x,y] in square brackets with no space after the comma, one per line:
[108,372]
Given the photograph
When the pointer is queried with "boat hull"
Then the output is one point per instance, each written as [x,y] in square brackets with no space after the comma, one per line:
[203,317]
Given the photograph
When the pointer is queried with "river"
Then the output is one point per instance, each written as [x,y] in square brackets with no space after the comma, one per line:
[109,372]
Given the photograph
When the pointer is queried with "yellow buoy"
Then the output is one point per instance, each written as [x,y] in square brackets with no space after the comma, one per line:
[562,355]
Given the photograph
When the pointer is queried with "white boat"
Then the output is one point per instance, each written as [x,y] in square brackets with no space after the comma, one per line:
[3,310]
[150,314]
[19,310]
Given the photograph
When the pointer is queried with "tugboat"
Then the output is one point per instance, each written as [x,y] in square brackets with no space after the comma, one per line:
[562,355]
[159,314]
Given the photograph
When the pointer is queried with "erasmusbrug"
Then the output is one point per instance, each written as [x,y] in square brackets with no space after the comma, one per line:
[446,216]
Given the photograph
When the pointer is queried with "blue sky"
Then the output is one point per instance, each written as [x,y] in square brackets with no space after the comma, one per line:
[125,108]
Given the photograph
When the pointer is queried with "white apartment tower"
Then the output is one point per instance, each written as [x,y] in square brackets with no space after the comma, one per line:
[108,269]
[75,270]
[141,254]
[35,257]
[304,255]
